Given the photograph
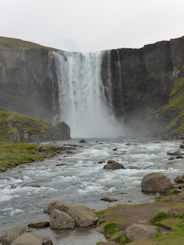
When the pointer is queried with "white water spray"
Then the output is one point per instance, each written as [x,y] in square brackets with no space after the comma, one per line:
[81,95]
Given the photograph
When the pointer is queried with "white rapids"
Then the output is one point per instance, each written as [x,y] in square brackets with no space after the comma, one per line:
[78,178]
[82,99]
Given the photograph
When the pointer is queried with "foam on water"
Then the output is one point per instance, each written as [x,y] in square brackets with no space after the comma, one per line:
[83,180]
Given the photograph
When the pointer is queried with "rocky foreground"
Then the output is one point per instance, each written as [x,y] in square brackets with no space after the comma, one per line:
[159,222]
[62,216]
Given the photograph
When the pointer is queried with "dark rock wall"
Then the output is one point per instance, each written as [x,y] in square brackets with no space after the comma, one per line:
[28,82]
[136,81]
[141,79]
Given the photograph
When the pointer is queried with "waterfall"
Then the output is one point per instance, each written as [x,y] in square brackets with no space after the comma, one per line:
[81,95]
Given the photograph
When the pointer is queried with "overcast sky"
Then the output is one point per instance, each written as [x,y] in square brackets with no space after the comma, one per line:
[89,25]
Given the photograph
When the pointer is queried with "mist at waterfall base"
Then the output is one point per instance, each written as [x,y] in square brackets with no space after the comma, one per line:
[82,99]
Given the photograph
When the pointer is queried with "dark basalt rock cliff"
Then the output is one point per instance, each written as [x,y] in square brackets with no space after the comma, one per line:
[141,79]
[27,79]
[136,81]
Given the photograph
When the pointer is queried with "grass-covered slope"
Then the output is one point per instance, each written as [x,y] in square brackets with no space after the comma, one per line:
[12,155]
[175,107]
[13,43]
[166,214]
[17,128]
[14,125]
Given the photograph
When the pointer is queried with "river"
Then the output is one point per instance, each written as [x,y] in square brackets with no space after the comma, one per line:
[79,179]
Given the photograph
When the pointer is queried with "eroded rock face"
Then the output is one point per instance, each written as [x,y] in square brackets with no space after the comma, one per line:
[140,232]
[113,165]
[60,220]
[11,234]
[83,216]
[156,183]
[141,78]
[28,82]
[27,239]
[57,204]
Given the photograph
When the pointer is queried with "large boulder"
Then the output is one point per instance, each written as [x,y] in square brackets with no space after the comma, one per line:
[156,183]
[61,220]
[56,204]
[113,165]
[11,234]
[27,239]
[140,232]
[83,216]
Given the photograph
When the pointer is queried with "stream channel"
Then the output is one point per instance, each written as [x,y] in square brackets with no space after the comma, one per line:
[78,178]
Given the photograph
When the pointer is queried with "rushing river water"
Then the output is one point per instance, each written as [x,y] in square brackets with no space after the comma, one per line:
[78,178]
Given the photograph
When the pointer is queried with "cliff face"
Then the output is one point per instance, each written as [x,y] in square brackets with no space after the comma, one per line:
[141,79]
[27,79]
[136,81]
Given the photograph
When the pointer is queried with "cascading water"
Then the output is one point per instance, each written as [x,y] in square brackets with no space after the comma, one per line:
[81,95]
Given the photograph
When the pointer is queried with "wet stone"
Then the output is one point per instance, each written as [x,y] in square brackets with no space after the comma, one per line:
[39,225]
[108,199]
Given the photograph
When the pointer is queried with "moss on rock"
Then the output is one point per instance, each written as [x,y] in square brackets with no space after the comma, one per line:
[175,107]
[19,128]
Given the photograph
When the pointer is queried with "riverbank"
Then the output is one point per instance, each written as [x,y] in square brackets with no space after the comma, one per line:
[80,179]
[12,155]
[165,215]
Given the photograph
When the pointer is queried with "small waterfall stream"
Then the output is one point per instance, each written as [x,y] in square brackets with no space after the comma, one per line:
[81,95]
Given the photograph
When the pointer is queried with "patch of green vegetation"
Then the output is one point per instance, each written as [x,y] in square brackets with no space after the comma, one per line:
[12,123]
[123,240]
[170,192]
[110,230]
[160,216]
[102,214]
[175,237]
[166,220]
[170,222]
[12,155]
[159,231]
[176,105]
[13,43]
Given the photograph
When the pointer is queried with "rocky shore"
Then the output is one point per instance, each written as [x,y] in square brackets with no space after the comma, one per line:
[62,216]
[154,223]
